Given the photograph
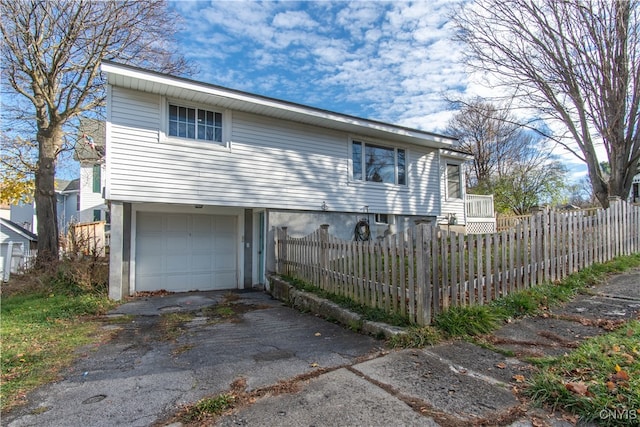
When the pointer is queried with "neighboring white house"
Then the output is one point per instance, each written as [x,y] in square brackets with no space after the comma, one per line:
[22,214]
[16,246]
[198,175]
[89,152]
[634,194]
[67,204]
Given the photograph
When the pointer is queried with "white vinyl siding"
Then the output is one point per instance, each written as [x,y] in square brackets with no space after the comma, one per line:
[90,200]
[268,163]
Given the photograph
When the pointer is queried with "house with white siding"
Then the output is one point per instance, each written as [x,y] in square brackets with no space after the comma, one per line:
[67,205]
[89,152]
[198,176]
[17,244]
[634,193]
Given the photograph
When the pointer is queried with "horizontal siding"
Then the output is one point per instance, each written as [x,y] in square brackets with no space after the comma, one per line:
[135,109]
[90,201]
[270,163]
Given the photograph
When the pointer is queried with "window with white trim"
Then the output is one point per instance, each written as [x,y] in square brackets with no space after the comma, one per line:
[195,123]
[454,181]
[377,163]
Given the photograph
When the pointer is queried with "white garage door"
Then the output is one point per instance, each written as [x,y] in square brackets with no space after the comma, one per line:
[185,252]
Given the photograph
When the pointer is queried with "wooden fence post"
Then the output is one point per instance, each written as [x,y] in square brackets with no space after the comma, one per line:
[283,251]
[324,255]
[421,310]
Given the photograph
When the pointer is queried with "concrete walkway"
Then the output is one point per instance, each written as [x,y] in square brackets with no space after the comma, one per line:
[451,384]
[316,373]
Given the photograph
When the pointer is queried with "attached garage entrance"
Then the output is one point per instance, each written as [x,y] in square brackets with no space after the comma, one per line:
[185,252]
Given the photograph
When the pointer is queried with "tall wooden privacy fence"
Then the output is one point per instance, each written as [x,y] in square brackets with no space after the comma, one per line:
[87,238]
[425,270]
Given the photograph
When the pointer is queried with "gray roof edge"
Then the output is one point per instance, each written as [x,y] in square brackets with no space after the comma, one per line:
[18,229]
[282,103]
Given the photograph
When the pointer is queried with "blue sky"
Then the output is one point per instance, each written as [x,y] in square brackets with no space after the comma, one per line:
[390,61]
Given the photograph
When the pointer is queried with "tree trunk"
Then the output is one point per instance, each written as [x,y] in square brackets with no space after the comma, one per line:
[621,175]
[45,195]
[599,185]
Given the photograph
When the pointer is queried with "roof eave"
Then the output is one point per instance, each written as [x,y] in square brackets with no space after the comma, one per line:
[17,229]
[153,82]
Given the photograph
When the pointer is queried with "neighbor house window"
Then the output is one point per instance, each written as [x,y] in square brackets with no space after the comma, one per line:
[378,164]
[78,202]
[454,188]
[195,123]
[96,215]
[96,178]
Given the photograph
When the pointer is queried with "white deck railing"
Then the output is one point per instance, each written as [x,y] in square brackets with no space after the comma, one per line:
[479,206]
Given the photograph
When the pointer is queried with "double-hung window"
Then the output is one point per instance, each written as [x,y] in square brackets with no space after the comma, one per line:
[195,123]
[454,186]
[377,163]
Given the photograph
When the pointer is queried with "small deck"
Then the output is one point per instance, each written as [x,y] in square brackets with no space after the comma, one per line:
[480,214]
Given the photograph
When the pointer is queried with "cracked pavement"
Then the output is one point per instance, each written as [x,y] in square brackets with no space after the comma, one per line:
[139,377]
[336,377]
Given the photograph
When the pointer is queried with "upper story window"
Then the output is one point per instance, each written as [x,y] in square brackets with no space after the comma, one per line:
[454,181]
[379,164]
[195,123]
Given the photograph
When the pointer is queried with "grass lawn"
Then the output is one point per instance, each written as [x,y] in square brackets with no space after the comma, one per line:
[41,327]
[599,381]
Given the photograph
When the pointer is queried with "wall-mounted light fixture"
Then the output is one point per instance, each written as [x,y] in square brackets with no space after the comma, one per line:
[324,206]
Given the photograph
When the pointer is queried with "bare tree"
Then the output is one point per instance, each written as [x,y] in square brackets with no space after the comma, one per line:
[486,131]
[510,161]
[575,62]
[51,59]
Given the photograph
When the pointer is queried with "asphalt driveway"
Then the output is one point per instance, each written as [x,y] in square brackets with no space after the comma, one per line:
[152,366]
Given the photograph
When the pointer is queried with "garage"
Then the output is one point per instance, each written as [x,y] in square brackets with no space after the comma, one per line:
[185,252]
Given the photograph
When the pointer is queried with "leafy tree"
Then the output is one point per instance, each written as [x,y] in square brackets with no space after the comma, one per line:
[577,64]
[18,163]
[51,59]
[527,186]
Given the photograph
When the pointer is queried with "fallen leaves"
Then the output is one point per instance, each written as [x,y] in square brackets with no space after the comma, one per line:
[620,375]
[518,378]
[579,388]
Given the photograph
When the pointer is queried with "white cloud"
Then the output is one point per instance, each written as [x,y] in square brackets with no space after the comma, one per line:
[291,20]
[390,61]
